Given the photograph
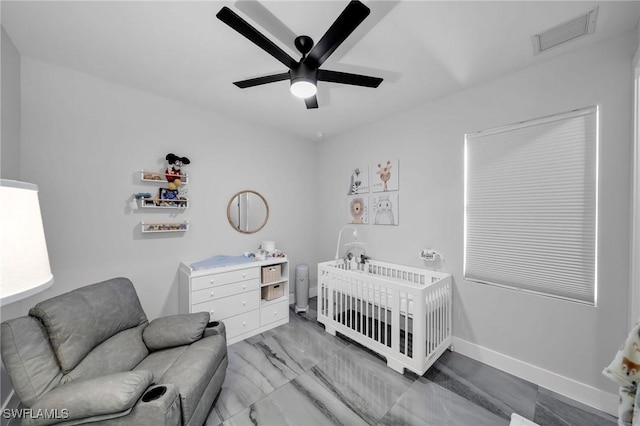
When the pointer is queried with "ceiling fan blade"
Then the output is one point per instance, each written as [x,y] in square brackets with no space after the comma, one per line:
[232,19]
[311,102]
[349,19]
[348,78]
[262,80]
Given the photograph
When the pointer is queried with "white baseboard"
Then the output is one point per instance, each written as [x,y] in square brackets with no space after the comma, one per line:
[313,292]
[586,394]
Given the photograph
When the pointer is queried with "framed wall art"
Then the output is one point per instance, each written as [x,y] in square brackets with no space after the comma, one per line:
[384,209]
[357,209]
[384,176]
[358,180]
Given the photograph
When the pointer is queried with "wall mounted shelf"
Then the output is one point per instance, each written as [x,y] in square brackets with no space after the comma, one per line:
[157,203]
[155,177]
[150,228]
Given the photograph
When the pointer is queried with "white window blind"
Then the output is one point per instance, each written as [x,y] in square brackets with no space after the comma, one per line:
[531,204]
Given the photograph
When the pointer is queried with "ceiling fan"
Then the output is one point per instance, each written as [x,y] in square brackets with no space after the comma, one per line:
[305,73]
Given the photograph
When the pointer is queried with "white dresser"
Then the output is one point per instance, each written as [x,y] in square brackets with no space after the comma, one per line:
[238,295]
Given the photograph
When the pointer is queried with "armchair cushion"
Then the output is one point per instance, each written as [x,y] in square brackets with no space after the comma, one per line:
[103,397]
[119,353]
[175,330]
[80,320]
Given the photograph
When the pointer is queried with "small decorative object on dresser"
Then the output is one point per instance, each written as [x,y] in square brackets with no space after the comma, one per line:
[250,297]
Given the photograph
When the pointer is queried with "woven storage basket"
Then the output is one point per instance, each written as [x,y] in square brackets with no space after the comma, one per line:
[271,273]
[272,291]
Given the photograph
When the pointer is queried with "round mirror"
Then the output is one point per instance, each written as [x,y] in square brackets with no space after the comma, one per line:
[247,212]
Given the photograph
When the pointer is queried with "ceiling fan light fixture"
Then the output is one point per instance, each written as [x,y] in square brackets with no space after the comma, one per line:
[304,73]
[303,88]
[303,81]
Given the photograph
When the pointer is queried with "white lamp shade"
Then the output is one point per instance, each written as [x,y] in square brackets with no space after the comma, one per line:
[24,260]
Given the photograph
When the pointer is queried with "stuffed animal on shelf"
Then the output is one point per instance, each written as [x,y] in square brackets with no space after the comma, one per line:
[173,172]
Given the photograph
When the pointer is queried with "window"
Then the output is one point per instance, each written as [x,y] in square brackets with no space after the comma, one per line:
[531,206]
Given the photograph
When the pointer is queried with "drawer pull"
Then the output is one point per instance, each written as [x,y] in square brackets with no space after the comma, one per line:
[211,313]
[212,294]
[244,302]
[244,287]
[275,312]
[244,323]
[244,275]
[212,280]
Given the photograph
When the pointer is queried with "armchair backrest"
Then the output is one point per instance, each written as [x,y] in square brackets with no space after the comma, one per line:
[80,320]
[29,359]
[41,350]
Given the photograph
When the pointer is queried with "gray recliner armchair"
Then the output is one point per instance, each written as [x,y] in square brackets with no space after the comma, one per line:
[91,356]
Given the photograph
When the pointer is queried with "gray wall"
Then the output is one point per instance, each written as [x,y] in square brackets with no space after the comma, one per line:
[569,339]
[9,142]
[10,145]
[84,142]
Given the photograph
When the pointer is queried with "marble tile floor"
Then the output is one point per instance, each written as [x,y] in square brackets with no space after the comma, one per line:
[297,374]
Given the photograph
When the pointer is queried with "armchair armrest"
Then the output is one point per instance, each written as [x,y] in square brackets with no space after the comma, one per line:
[159,406]
[99,398]
[215,327]
[175,330]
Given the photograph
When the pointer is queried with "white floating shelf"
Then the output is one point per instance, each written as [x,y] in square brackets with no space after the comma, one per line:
[160,177]
[157,203]
[151,228]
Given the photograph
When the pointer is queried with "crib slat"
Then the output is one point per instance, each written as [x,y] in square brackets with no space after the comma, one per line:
[376,313]
[349,299]
[438,318]
[365,318]
[436,314]
[443,318]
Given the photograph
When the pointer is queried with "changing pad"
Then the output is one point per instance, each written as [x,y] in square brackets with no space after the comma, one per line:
[219,261]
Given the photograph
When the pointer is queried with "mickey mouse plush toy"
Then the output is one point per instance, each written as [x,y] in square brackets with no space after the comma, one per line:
[172,173]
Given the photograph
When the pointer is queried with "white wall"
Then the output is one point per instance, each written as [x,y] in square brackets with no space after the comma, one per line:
[10,145]
[9,141]
[84,141]
[634,293]
[570,339]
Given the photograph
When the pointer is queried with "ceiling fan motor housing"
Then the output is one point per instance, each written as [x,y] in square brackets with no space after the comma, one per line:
[303,44]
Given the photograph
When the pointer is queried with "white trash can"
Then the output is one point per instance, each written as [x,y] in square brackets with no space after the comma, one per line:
[302,288]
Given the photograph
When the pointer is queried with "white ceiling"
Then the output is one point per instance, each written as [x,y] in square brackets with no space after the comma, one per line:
[179,49]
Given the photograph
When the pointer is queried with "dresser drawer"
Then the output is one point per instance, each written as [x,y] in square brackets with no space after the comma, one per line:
[243,323]
[220,309]
[226,290]
[274,312]
[223,278]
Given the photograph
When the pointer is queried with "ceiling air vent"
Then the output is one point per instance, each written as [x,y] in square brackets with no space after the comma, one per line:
[570,30]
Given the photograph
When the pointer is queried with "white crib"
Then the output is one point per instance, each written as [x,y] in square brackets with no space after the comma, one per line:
[400,312]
